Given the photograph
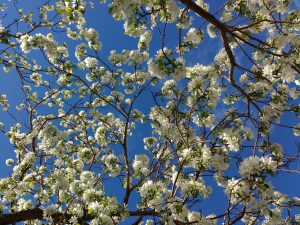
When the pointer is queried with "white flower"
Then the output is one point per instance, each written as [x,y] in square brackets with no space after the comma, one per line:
[137,57]
[111,163]
[90,62]
[149,142]
[180,69]
[86,154]
[186,152]
[89,195]
[202,4]
[2,29]
[168,89]
[244,78]
[155,70]
[140,164]
[254,165]
[90,34]
[248,134]
[268,70]
[193,36]
[211,30]
[80,51]
[149,185]
[294,93]
[151,193]
[296,130]
[25,46]
[50,210]
[232,138]
[9,162]
[128,101]
[209,120]
[194,187]
[237,190]
[149,222]
[297,218]
[145,39]
[226,16]
[119,59]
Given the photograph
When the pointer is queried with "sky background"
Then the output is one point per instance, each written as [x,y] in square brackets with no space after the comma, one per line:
[112,36]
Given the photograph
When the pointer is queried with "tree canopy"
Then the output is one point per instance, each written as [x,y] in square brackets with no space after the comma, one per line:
[148,134]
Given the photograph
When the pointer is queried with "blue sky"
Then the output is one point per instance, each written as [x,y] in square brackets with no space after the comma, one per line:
[112,36]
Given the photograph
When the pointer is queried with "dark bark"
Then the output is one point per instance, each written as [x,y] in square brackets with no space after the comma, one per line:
[24,215]
[37,214]
[204,14]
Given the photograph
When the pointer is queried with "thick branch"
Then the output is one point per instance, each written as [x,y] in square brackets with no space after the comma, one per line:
[29,214]
[204,14]
[37,214]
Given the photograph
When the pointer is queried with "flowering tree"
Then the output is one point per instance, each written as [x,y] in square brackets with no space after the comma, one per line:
[203,127]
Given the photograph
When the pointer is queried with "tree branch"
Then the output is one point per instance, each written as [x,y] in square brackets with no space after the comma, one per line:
[24,215]
[204,14]
[37,214]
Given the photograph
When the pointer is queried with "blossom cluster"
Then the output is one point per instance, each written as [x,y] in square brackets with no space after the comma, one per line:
[164,124]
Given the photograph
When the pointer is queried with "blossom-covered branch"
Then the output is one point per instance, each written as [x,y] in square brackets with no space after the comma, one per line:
[148,134]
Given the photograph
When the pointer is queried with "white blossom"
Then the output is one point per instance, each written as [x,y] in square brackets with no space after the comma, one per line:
[193,36]
[50,210]
[297,130]
[90,62]
[255,165]
[140,164]
[9,162]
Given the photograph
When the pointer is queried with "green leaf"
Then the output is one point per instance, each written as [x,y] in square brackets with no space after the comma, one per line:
[271,172]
